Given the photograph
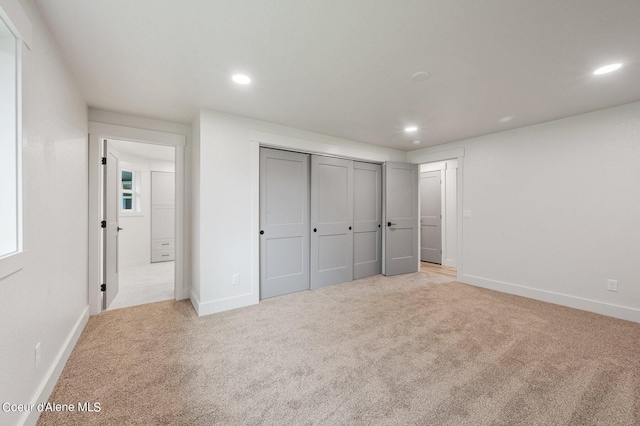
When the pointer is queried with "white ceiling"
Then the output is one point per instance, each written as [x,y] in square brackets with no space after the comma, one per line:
[343,68]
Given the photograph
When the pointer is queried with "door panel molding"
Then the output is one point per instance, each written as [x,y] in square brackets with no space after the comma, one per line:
[401,221]
[284,222]
[331,221]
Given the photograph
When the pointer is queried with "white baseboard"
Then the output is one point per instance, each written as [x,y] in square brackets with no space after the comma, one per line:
[449,262]
[52,376]
[215,306]
[616,311]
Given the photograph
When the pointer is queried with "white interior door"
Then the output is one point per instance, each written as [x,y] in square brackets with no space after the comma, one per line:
[284,222]
[431,217]
[110,235]
[367,219]
[331,221]
[400,191]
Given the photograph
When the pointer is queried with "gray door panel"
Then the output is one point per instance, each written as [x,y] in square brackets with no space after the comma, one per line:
[284,222]
[430,217]
[331,218]
[367,219]
[400,191]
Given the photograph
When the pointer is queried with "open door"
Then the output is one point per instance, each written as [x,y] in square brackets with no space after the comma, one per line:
[110,232]
[430,217]
[401,219]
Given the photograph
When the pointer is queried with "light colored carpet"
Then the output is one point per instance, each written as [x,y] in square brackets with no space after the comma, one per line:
[399,350]
[145,284]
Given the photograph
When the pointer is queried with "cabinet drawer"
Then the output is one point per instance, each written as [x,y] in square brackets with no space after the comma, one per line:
[162,245]
[161,255]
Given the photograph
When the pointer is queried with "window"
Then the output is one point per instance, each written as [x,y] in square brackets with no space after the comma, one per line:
[10,215]
[130,191]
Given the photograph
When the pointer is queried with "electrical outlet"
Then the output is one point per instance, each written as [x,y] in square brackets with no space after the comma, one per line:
[236,279]
[36,355]
[612,285]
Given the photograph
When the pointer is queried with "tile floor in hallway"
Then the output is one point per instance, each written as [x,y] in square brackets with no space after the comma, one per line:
[145,284]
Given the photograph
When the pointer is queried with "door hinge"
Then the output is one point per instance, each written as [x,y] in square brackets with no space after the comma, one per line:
[103,287]
[104,160]
[103,224]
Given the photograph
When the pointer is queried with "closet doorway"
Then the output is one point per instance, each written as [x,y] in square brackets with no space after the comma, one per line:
[321,220]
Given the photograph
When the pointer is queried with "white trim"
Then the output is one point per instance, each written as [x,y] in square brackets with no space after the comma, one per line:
[12,263]
[451,154]
[133,134]
[616,311]
[99,132]
[306,146]
[436,156]
[53,374]
[216,306]
[14,16]
[255,223]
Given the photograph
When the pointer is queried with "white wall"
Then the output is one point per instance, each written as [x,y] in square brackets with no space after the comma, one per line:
[46,301]
[555,210]
[134,241]
[227,157]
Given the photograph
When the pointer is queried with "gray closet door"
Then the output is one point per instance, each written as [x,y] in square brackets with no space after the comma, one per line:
[430,217]
[284,222]
[400,191]
[367,219]
[331,221]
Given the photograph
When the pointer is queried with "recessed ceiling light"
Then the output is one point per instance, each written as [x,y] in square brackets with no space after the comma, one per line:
[410,129]
[416,142]
[607,68]
[420,76]
[241,79]
[506,118]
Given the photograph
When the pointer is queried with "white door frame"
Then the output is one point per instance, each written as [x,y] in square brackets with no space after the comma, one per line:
[97,133]
[457,153]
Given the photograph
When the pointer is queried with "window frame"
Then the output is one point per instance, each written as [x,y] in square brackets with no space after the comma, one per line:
[11,263]
[136,198]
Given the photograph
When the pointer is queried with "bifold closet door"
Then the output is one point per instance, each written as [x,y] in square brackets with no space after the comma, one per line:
[284,222]
[367,219]
[331,221]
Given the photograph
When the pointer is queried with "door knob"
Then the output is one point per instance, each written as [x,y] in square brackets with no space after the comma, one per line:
[120,229]
[261,232]
[349,228]
[391,224]
[315,229]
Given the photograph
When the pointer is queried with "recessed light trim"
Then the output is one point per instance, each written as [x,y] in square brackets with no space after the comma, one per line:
[410,129]
[241,78]
[607,69]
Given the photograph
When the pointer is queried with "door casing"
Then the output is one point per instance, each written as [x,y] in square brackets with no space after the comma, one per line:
[98,132]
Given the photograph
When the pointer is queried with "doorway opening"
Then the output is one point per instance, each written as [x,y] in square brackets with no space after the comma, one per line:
[438,217]
[144,200]
[132,199]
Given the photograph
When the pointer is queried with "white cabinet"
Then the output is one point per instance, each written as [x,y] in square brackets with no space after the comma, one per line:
[162,216]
